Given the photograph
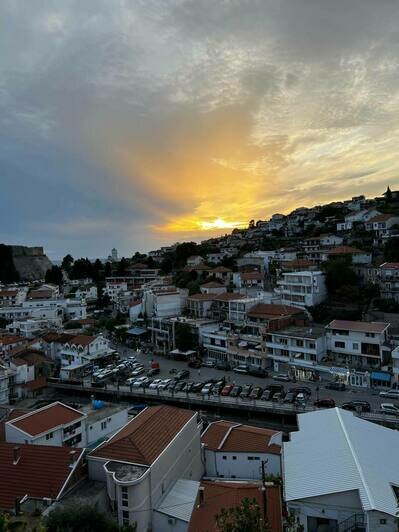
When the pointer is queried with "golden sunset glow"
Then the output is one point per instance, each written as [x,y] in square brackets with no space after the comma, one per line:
[219,223]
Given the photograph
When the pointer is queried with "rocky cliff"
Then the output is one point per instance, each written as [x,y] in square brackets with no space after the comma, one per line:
[22,263]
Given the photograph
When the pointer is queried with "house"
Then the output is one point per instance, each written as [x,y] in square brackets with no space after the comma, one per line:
[357,218]
[6,375]
[251,280]
[388,280]
[213,287]
[8,342]
[31,369]
[194,260]
[296,343]
[341,472]
[236,451]
[302,289]
[222,274]
[61,425]
[12,297]
[143,461]
[164,302]
[270,317]
[357,255]
[32,327]
[359,344]
[214,496]
[382,224]
[174,510]
[37,473]
[84,349]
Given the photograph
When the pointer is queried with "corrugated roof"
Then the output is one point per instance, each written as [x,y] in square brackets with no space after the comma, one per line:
[358,326]
[46,418]
[179,501]
[335,451]
[234,437]
[144,438]
[40,472]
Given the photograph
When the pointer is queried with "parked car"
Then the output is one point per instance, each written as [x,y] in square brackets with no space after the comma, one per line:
[196,363]
[391,394]
[138,371]
[247,388]
[302,389]
[138,383]
[389,408]
[256,371]
[197,387]
[301,398]
[270,390]
[131,381]
[208,363]
[155,383]
[227,390]
[290,397]
[325,403]
[207,389]
[153,371]
[179,386]
[281,377]
[217,388]
[338,386]
[164,384]
[172,386]
[256,392]
[363,406]
[278,396]
[242,368]
[235,392]
[182,374]
[188,386]
[225,366]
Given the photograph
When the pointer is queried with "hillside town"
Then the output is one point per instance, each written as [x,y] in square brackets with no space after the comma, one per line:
[258,370]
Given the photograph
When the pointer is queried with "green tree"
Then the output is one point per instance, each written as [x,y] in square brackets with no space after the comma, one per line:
[391,250]
[54,275]
[67,262]
[339,273]
[122,266]
[245,517]
[108,269]
[83,519]
[184,337]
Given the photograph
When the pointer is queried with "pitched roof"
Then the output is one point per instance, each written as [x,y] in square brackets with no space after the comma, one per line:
[36,384]
[202,297]
[46,418]
[228,296]
[212,284]
[265,310]
[40,294]
[252,276]
[11,339]
[145,437]
[381,218]
[81,339]
[358,326]
[345,250]
[335,451]
[234,437]
[221,269]
[8,293]
[221,494]
[41,471]
[31,357]
[390,266]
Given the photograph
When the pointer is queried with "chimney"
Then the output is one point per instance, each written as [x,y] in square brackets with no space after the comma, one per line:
[201,496]
[72,458]
[16,454]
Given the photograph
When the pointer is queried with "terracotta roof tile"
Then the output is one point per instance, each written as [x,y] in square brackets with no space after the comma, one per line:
[221,269]
[264,310]
[345,250]
[358,326]
[234,437]
[36,384]
[228,296]
[46,418]
[390,266]
[221,494]
[40,472]
[252,276]
[144,438]
[81,339]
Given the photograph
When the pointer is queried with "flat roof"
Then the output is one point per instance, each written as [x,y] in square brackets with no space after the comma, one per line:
[358,326]
[301,332]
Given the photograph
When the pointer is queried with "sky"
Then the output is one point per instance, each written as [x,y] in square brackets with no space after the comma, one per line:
[139,123]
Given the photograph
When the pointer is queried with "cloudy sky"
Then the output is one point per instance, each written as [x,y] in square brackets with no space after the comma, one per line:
[137,123]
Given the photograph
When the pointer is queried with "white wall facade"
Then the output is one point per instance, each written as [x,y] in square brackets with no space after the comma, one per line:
[239,465]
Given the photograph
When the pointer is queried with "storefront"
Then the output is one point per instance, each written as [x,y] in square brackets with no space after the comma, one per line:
[380,379]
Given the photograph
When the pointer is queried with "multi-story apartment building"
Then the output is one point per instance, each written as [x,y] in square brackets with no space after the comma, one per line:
[294,343]
[164,302]
[11,297]
[388,280]
[382,224]
[84,349]
[302,289]
[358,344]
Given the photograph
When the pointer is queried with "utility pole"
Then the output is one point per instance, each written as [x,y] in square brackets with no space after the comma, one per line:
[264,462]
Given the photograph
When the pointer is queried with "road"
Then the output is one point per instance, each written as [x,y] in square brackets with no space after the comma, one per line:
[340,397]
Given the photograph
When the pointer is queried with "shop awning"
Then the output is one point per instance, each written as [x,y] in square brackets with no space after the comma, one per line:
[380,376]
[339,371]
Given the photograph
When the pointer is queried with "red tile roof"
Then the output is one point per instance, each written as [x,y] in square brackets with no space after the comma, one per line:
[11,339]
[40,294]
[31,357]
[212,284]
[221,269]
[145,437]
[265,310]
[381,218]
[36,384]
[345,250]
[220,494]
[234,437]
[202,297]
[252,276]
[228,296]
[40,472]
[8,293]
[358,326]
[46,418]
[81,339]
[390,266]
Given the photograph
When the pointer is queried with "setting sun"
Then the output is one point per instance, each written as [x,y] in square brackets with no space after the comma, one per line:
[219,223]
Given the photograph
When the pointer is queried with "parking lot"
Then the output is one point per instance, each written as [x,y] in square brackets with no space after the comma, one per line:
[209,381]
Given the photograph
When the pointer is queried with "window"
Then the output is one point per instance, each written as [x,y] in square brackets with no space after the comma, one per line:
[299,343]
[340,345]
[250,457]
[370,335]
[383,521]
[125,517]
[103,425]
[125,496]
[224,457]
[49,436]
[234,458]
[355,346]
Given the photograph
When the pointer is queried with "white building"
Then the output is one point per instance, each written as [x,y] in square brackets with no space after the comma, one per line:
[382,224]
[357,217]
[30,328]
[164,302]
[61,425]
[341,473]
[5,375]
[236,451]
[295,343]
[359,344]
[141,463]
[388,280]
[11,297]
[194,260]
[83,349]
[302,289]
